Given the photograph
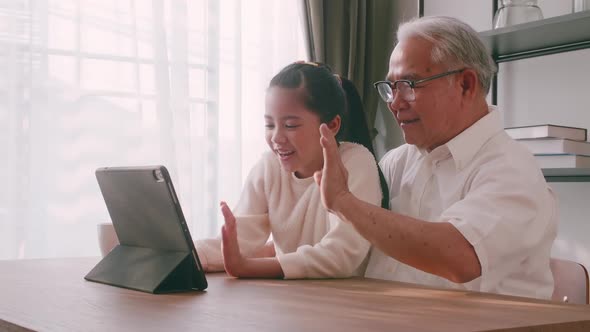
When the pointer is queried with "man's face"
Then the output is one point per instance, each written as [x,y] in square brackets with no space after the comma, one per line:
[434,117]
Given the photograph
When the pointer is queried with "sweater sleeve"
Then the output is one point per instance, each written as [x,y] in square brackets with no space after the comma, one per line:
[252,222]
[342,250]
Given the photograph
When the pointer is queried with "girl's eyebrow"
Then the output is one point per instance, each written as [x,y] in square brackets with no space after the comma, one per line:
[286,117]
[291,117]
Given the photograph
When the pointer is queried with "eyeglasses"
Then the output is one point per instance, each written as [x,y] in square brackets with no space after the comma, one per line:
[388,90]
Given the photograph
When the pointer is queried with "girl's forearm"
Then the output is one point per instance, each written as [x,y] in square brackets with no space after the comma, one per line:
[268,267]
[268,250]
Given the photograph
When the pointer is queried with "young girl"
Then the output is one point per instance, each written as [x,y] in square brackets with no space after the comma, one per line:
[280,196]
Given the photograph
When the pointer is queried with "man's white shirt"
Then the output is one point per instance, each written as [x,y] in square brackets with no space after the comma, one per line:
[492,190]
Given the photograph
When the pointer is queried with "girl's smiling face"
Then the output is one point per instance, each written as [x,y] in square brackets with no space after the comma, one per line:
[292,131]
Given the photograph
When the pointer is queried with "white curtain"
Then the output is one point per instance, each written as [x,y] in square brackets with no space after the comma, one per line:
[91,83]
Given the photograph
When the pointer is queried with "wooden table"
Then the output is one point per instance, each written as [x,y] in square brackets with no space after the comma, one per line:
[51,295]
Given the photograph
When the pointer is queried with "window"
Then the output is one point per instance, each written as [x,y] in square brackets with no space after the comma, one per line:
[86,84]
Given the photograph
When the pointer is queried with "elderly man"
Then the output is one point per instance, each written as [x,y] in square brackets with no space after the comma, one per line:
[470,208]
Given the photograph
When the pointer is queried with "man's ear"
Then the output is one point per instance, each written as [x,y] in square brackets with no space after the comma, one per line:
[334,124]
[469,82]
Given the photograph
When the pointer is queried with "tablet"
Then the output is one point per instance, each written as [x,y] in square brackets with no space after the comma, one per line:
[156,253]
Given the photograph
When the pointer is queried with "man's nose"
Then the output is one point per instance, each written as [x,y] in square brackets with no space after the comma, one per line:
[396,103]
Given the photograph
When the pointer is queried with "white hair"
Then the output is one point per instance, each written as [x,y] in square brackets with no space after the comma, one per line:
[455,44]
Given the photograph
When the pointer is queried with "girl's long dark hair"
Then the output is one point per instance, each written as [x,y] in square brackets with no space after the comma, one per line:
[328,95]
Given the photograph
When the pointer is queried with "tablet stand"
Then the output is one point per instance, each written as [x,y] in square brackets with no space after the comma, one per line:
[148,270]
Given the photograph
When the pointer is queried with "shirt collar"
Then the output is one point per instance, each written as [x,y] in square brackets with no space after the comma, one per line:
[464,146]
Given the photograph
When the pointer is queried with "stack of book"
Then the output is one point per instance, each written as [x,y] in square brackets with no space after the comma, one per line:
[555,146]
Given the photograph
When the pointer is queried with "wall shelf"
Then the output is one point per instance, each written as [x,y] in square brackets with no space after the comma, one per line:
[548,36]
[543,37]
[567,174]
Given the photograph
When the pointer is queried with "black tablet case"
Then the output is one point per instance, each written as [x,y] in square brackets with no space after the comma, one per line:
[156,253]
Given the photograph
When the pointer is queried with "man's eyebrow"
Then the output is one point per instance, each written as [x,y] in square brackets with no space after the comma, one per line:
[408,76]
[411,76]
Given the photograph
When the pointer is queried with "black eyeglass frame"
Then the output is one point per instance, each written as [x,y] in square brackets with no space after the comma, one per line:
[411,83]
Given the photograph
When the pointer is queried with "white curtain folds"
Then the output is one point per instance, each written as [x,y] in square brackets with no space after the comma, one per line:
[92,83]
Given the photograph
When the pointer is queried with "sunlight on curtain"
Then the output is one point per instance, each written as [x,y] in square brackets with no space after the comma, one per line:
[85,84]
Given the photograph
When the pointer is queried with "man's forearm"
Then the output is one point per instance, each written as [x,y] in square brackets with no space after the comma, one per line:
[434,247]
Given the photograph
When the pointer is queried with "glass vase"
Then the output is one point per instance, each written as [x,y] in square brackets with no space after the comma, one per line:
[512,12]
